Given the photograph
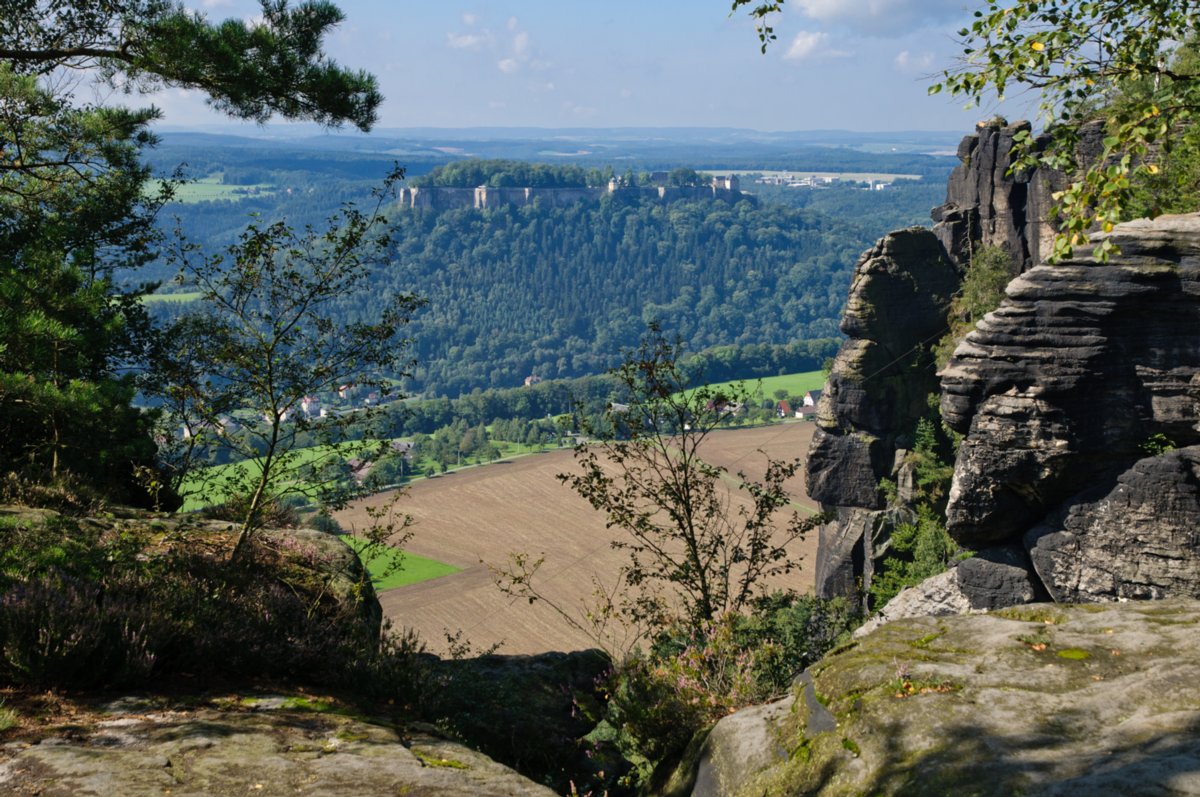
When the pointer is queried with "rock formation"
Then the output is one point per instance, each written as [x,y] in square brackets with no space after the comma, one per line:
[1036,700]
[875,394]
[1058,393]
[1083,371]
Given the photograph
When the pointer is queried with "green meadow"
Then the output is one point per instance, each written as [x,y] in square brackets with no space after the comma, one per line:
[210,188]
[794,384]
[408,568]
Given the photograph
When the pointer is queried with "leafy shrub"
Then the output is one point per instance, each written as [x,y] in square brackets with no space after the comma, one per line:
[690,678]
[989,272]
[919,547]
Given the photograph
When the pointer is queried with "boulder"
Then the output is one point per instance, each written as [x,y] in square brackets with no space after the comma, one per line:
[936,596]
[262,746]
[998,577]
[1040,700]
[1138,540]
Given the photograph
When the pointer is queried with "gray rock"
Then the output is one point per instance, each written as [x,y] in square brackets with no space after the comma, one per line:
[998,577]
[936,596]
[1061,387]
[1040,700]
[268,753]
[1139,540]
[740,744]
[877,388]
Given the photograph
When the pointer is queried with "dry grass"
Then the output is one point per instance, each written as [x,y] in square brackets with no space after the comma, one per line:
[479,516]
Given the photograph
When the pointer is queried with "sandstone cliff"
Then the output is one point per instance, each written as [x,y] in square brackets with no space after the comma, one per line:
[876,391]
[1067,395]
[880,380]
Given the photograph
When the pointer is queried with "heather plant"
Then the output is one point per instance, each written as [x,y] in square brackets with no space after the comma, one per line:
[92,603]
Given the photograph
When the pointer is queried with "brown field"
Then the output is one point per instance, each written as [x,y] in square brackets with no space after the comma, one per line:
[478,517]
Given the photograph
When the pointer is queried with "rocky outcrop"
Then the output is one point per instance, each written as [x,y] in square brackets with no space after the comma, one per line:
[1139,540]
[875,394]
[936,596]
[988,203]
[1083,370]
[1036,700]
[267,745]
[488,198]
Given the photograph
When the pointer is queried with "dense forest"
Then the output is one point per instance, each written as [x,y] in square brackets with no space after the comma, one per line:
[558,292]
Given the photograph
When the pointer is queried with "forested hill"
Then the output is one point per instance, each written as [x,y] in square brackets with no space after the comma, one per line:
[558,292]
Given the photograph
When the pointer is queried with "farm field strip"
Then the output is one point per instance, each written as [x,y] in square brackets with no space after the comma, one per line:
[475,518]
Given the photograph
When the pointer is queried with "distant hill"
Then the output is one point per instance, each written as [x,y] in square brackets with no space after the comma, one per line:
[557,290]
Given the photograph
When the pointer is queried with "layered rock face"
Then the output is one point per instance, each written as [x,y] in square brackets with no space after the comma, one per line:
[988,204]
[880,380]
[875,394]
[1083,371]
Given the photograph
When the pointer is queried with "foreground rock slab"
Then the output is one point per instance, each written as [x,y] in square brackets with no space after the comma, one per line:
[269,750]
[1041,700]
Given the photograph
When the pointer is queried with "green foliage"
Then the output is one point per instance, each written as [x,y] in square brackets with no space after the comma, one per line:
[559,291]
[1157,445]
[266,340]
[74,209]
[248,70]
[1081,57]
[989,272]
[919,547]
[692,677]
[644,470]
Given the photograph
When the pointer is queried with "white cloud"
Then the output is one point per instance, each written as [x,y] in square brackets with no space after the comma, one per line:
[465,41]
[508,65]
[469,19]
[520,43]
[217,3]
[512,23]
[881,17]
[812,44]
[915,62]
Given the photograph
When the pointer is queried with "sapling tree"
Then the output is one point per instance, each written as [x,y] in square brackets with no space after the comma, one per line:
[236,371]
[685,533]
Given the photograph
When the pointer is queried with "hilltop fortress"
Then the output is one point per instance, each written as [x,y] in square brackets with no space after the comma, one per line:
[484,197]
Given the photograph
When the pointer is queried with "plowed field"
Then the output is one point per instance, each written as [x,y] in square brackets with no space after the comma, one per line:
[476,517]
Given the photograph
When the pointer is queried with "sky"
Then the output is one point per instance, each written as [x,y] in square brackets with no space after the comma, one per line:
[837,64]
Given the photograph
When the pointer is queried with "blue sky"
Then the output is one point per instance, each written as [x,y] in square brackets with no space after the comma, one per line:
[847,64]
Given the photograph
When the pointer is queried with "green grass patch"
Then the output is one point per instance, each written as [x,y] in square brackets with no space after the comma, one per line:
[173,298]
[412,569]
[211,188]
[795,384]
